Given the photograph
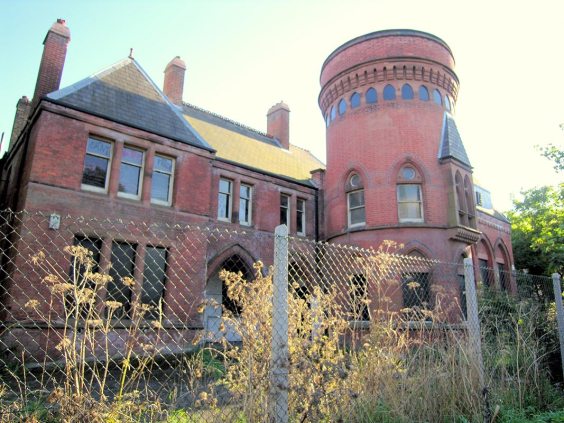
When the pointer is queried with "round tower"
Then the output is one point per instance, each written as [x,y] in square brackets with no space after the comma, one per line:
[396,166]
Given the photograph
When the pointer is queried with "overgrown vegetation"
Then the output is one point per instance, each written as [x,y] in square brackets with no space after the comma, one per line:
[391,372]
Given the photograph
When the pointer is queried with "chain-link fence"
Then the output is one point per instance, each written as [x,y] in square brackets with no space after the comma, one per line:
[121,320]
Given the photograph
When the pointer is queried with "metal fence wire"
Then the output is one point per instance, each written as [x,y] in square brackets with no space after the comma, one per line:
[117,319]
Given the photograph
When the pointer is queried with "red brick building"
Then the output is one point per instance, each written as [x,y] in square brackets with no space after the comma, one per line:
[116,145]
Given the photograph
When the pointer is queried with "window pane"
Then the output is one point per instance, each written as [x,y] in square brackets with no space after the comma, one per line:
[333,113]
[100,148]
[95,171]
[356,199]
[416,290]
[123,263]
[342,107]
[371,96]
[245,191]
[437,97]
[283,216]
[284,200]
[355,100]
[407,92]
[225,186]
[223,206]
[160,187]
[423,93]
[163,164]
[357,215]
[409,193]
[129,179]
[389,92]
[409,210]
[132,156]
[154,277]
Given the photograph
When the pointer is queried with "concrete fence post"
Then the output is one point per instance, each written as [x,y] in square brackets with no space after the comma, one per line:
[279,358]
[556,285]
[473,320]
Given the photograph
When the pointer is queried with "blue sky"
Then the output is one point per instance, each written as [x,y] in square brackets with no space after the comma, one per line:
[244,56]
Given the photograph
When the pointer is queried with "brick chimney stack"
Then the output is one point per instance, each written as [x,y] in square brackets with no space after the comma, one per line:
[174,80]
[52,61]
[278,123]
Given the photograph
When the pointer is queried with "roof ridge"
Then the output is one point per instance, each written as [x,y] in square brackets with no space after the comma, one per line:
[217,115]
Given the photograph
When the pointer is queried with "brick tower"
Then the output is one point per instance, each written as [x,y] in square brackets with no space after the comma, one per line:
[396,166]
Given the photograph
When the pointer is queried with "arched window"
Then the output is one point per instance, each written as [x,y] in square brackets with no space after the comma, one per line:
[342,107]
[371,96]
[409,195]
[355,100]
[333,113]
[327,120]
[461,200]
[406,92]
[423,93]
[502,268]
[356,214]
[437,97]
[447,103]
[416,285]
[469,202]
[389,92]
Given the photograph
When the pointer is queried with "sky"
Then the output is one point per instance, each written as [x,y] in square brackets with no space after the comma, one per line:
[243,56]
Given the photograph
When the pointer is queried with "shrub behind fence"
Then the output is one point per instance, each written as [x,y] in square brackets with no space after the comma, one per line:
[121,319]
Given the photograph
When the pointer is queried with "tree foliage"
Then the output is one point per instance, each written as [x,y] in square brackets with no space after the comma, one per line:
[537,223]
[554,154]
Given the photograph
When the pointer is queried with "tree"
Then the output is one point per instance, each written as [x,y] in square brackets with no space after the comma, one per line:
[555,154]
[537,223]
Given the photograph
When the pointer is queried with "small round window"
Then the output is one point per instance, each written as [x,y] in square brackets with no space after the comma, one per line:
[408,173]
[355,181]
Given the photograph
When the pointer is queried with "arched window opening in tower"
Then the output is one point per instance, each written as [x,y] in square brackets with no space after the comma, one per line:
[355,100]
[356,214]
[389,92]
[327,121]
[333,113]
[371,96]
[447,103]
[342,107]
[407,92]
[437,98]
[423,93]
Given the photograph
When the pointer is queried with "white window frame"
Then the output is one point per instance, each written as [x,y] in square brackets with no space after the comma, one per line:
[250,201]
[141,173]
[170,185]
[349,209]
[87,187]
[301,216]
[288,214]
[409,219]
[229,199]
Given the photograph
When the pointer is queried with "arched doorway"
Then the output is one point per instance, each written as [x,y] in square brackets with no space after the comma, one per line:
[217,299]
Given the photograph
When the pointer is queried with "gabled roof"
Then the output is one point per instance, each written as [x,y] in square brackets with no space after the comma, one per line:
[451,144]
[125,94]
[242,145]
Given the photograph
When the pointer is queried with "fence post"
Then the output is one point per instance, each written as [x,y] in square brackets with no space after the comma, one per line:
[279,359]
[559,313]
[472,320]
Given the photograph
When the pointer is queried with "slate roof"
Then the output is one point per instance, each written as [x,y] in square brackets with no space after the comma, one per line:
[125,94]
[240,144]
[451,145]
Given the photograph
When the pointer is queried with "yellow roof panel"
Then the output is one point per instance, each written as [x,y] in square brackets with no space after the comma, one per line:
[235,146]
